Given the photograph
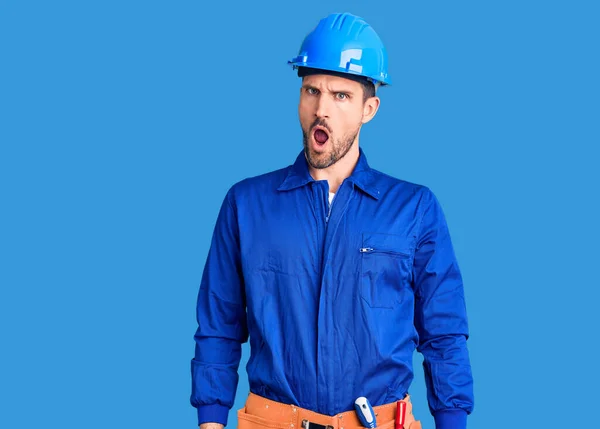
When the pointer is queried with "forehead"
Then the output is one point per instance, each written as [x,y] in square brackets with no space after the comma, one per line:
[326,81]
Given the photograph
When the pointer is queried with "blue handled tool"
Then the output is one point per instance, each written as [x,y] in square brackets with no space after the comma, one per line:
[365,412]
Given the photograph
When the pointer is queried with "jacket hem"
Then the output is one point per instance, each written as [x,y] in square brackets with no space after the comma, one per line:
[215,413]
[450,419]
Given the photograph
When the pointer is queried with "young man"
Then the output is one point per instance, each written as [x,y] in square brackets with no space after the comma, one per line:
[335,271]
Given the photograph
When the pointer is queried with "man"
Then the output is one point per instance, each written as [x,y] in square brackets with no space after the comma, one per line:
[335,271]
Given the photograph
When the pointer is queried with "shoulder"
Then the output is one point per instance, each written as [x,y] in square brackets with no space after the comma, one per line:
[258,185]
[408,194]
[387,183]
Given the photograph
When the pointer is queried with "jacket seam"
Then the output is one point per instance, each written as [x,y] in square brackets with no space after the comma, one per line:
[419,228]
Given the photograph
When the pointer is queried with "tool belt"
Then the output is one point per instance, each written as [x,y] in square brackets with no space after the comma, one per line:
[263,413]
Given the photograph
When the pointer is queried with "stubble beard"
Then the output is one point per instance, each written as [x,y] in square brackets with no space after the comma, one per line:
[339,148]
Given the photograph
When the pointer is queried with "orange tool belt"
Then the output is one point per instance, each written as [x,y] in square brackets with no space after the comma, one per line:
[263,413]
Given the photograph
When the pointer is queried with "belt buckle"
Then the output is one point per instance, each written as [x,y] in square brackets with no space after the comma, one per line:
[306,424]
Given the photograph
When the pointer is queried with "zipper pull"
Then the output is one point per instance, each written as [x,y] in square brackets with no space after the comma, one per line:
[366,249]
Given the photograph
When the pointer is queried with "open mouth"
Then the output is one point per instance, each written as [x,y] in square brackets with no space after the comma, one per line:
[320,135]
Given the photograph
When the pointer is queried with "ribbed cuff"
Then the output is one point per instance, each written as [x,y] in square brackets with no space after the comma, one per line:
[215,413]
[451,419]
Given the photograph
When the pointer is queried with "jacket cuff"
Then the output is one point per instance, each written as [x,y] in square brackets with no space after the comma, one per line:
[215,413]
[451,419]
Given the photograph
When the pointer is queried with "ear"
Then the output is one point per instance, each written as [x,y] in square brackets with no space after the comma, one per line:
[370,107]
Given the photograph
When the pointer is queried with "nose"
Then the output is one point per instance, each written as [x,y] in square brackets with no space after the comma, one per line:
[322,107]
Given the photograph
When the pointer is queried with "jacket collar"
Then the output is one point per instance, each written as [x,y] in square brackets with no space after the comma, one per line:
[362,175]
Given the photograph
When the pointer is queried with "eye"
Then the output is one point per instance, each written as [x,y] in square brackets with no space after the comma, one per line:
[312,91]
[341,95]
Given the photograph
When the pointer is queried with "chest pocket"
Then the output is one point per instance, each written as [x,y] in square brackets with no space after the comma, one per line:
[386,264]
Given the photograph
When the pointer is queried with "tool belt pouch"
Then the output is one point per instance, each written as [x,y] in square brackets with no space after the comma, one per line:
[261,413]
[249,421]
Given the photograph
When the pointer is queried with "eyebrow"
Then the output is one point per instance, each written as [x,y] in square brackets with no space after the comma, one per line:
[345,91]
[335,91]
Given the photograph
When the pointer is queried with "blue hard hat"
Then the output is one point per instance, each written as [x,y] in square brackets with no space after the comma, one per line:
[344,43]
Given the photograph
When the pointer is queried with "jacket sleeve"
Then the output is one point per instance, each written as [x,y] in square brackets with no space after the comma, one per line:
[222,328]
[441,320]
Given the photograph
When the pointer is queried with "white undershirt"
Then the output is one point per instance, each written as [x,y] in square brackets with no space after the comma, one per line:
[331,194]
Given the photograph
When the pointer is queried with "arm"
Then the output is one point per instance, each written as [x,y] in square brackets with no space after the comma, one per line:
[441,320]
[211,426]
[221,316]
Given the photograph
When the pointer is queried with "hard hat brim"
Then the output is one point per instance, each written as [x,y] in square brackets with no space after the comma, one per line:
[309,71]
[339,71]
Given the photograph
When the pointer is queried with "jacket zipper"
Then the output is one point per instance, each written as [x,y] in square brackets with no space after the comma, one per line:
[390,252]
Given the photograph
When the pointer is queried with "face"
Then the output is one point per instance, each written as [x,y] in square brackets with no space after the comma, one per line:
[332,110]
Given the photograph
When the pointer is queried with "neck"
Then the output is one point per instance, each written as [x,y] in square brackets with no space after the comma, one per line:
[336,173]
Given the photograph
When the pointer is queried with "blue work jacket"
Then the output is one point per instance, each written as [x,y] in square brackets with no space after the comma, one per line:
[335,297]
